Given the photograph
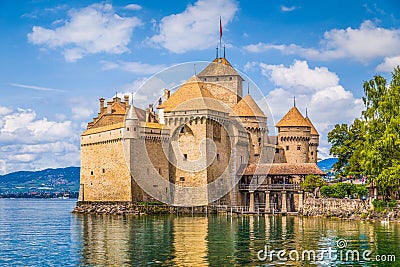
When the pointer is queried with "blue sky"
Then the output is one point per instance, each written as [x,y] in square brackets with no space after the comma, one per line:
[60,57]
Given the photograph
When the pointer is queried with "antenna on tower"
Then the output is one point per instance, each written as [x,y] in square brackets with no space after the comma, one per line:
[306,113]
[217,53]
[248,88]
[224,51]
[294,101]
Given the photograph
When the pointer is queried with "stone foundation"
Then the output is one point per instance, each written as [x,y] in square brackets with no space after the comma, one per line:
[121,208]
[347,209]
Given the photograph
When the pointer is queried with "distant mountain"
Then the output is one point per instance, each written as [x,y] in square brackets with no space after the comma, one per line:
[48,181]
[327,164]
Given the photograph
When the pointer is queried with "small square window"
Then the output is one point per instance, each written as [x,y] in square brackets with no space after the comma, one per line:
[218,157]
[185,157]
[104,170]
[298,148]
[91,172]
[182,179]
[312,153]
[287,147]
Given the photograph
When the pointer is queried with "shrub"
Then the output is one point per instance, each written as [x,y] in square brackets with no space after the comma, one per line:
[311,182]
[361,191]
[327,191]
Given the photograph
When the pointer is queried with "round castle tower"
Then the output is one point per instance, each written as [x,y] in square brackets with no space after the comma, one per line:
[314,142]
[294,135]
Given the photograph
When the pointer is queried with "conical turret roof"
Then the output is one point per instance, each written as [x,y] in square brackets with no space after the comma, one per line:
[313,130]
[132,113]
[247,107]
[293,118]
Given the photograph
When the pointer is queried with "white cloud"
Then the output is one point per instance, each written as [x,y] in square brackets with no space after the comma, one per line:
[197,27]
[93,29]
[4,111]
[388,64]
[363,44]
[81,112]
[288,9]
[133,7]
[31,143]
[38,88]
[300,76]
[22,126]
[22,158]
[316,89]
[134,67]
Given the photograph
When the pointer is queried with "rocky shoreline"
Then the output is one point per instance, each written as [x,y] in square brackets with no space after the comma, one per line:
[320,207]
[129,208]
[347,209]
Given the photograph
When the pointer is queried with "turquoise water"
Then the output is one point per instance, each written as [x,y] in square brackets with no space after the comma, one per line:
[45,233]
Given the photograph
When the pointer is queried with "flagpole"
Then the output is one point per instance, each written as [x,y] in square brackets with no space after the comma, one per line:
[220,36]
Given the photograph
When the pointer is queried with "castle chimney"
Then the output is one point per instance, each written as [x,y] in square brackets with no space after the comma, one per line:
[109,107]
[166,94]
[151,107]
[101,104]
[126,100]
[147,115]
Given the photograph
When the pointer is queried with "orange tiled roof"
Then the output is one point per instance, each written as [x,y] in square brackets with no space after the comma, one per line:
[283,169]
[218,67]
[247,107]
[293,118]
[192,89]
[313,130]
[103,128]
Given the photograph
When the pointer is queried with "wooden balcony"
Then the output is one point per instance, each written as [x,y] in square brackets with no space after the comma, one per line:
[269,187]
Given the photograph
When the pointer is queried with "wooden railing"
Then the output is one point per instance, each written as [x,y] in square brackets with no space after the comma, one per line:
[266,187]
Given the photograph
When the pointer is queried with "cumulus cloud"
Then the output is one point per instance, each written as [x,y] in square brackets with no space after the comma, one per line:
[388,64]
[300,76]
[133,7]
[4,110]
[22,126]
[31,143]
[93,29]
[363,44]
[316,89]
[133,67]
[196,28]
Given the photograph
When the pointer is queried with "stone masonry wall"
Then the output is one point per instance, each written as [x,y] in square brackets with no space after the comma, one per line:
[333,207]
[104,173]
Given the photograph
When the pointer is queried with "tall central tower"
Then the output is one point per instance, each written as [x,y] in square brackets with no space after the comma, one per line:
[221,72]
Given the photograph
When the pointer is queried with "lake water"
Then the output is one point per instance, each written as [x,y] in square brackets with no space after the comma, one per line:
[45,233]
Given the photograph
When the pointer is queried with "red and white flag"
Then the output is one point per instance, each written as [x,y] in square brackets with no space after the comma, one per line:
[220,27]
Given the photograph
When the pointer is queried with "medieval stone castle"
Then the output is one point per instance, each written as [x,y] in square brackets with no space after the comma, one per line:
[203,144]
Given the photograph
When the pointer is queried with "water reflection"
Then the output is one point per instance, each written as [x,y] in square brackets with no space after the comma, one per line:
[224,240]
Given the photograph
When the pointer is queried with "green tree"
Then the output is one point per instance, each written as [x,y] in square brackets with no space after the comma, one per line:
[381,151]
[311,182]
[346,142]
[371,144]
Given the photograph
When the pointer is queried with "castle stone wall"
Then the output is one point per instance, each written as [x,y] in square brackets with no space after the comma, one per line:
[101,178]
